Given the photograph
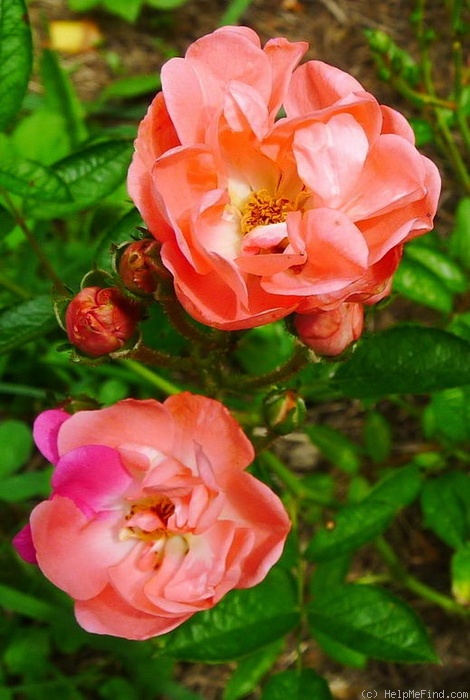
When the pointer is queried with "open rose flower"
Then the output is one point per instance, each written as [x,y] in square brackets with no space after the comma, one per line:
[260,217]
[152,517]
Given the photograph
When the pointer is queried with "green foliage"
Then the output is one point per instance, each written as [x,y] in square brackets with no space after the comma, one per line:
[15,58]
[446,507]
[251,669]
[290,684]
[443,361]
[373,622]
[127,10]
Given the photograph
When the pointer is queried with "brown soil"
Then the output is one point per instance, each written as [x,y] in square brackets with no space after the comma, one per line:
[334,29]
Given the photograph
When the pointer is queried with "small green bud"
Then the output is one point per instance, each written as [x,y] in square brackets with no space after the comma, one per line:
[283,411]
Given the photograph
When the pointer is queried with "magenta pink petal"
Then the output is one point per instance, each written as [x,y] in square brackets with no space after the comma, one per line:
[93,477]
[46,431]
[23,543]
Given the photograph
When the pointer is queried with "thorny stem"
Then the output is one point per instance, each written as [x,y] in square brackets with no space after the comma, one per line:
[180,320]
[154,358]
[299,359]
[415,585]
[42,257]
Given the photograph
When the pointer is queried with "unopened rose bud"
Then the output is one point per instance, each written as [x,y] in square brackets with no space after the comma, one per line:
[139,266]
[283,412]
[99,321]
[330,332]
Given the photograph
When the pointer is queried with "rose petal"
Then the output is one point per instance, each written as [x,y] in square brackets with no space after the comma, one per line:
[93,477]
[68,543]
[46,431]
[108,613]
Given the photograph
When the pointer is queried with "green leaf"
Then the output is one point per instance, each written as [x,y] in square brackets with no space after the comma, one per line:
[42,137]
[399,488]
[126,9]
[7,221]
[29,179]
[459,242]
[340,652]
[61,98]
[335,446]
[22,487]
[294,685]
[136,86]
[446,507]
[27,321]
[117,687]
[244,621]
[15,58]
[263,349]
[16,444]
[251,670]
[329,573]
[353,527]
[91,175]
[18,657]
[373,622]
[25,604]
[448,414]
[405,360]
[416,282]
[377,437]
[460,325]
[440,265]
[82,5]
[460,572]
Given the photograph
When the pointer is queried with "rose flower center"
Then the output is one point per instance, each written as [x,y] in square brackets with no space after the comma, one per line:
[261,209]
[148,518]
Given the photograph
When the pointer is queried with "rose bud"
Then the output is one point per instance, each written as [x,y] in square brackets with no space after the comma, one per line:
[283,411]
[99,321]
[330,332]
[139,266]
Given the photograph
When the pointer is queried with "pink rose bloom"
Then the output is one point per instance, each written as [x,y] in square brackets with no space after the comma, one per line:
[260,217]
[330,332]
[152,516]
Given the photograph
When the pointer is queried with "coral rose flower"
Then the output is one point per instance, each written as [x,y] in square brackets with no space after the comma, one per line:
[152,517]
[258,216]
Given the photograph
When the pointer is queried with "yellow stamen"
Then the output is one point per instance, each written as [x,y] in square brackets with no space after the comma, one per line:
[261,209]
